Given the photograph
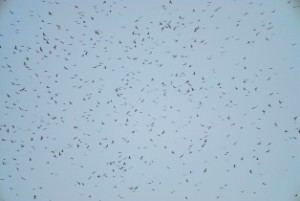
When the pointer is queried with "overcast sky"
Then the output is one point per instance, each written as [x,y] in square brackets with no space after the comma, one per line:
[150,100]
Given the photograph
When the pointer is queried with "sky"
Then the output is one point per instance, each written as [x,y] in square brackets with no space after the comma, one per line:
[149,100]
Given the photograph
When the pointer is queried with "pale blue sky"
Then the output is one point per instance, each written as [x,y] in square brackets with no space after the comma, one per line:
[149,100]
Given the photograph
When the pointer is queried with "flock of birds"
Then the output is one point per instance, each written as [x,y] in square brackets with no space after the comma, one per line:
[149,100]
